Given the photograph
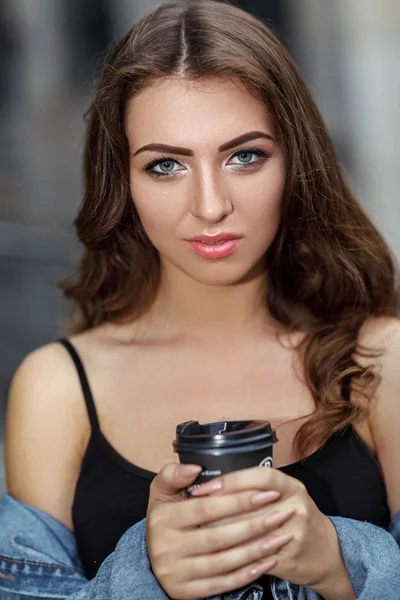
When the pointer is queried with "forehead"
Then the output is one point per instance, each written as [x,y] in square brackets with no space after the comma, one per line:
[189,113]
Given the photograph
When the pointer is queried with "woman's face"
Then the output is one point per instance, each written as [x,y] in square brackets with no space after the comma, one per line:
[204,164]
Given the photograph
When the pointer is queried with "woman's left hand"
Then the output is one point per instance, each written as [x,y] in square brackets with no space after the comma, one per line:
[313,558]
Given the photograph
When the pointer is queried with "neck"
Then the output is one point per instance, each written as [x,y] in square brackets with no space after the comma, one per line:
[188,308]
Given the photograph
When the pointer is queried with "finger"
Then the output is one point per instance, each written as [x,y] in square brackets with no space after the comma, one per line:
[279,505]
[199,511]
[206,541]
[173,478]
[260,501]
[261,478]
[234,558]
[213,586]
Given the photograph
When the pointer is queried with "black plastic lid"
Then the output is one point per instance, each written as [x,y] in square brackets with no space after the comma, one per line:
[223,434]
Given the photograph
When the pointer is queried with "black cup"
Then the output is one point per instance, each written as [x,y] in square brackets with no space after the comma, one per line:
[224,447]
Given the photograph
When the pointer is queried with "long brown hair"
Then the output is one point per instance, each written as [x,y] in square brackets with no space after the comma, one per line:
[328,267]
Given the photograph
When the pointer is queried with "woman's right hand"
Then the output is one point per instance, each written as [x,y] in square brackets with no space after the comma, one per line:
[192,559]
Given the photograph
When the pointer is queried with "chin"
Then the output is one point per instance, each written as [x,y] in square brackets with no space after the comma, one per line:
[219,281]
[218,273]
[224,277]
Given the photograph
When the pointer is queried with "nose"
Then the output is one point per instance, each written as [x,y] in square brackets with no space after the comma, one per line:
[210,200]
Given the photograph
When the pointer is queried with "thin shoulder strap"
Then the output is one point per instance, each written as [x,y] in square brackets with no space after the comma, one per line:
[87,394]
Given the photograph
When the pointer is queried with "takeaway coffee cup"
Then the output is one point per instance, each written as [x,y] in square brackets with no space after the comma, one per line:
[224,446]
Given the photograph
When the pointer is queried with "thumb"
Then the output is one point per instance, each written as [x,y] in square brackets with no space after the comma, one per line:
[172,479]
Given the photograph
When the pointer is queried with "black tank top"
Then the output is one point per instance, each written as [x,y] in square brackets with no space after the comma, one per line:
[342,477]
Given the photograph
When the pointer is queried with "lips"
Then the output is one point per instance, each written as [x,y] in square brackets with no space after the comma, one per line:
[215,246]
[215,239]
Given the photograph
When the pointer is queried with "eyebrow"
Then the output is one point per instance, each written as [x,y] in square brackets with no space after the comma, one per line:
[241,139]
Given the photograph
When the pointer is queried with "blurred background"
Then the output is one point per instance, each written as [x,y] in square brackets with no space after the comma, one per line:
[50,54]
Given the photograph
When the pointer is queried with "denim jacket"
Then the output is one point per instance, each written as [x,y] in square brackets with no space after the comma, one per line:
[39,560]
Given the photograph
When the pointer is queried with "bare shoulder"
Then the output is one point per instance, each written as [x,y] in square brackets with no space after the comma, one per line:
[383,335]
[380,340]
[45,370]
[46,431]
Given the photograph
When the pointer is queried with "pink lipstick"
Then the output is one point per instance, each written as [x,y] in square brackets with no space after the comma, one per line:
[215,246]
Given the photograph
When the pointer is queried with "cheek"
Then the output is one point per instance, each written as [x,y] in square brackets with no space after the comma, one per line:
[261,203]
[158,210]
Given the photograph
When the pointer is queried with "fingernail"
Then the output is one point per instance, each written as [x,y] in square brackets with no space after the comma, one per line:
[278,516]
[273,543]
[206,488]
[186,470]
[262,567]
[264,497]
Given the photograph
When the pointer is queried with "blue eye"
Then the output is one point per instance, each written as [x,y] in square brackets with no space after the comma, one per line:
[245,157]
[165,166]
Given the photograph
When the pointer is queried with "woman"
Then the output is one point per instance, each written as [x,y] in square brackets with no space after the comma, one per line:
[227,273]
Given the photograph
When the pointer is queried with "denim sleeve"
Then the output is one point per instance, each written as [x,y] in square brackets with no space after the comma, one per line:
[39,560]
[372,557]
[126,573]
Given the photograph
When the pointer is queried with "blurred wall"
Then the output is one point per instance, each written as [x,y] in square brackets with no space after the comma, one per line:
[50,52]
[349,51]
